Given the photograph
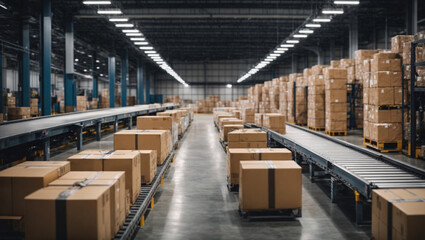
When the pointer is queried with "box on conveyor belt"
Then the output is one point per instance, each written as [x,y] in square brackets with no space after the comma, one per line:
[336,96]
[385,132]
[116,183]
[235,155]
[229,128]
[258,119]
[159,140]
[398,214]
[397,42]
[229,121]
[148,165]
[15,113]
[275,122]
[68,213]
[247,135]
[175,115]
[270,185]
[237,113]
[222,115]
[114,160]
[155,122]
[18,181]
[248,115]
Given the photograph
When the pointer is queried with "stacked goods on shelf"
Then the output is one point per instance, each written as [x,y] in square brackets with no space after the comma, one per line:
[257,96]
[115,181]
[10,100]
[383,119]
[94,104]
[227,129]
[256,187]
[354,90]
[274,94]
[81,103]
[34,106]
[176,100]
[283,96]
[236,155]
[258,119]
[275,122]
[237,102]
[159,123]
[264,105]
[184,119]
[223,103]
[131,100]
[211,102]
[18,181]
[247,138]
[335,99]
[118,160]
[237,113]
[296,80]
[316,98]
[15,113]
[350,65]
[248,114]
[104,98]
[398,214]
[158,140]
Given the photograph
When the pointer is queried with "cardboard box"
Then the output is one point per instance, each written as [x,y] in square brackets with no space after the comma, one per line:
[270,185]
[336,84]
[275,122]
[377,115]
[385,203]
[397,42]
[258,119]
[336,96]
[386,79]
[118,160]
[159,140]
[247,135]
[235,155]
[385,132]
[229,128]
[116,183]
[247,144]
[148,165]
[336,126]
[382,96]
[336,116]
[229,121]
[155,122]
[19,181]
[385,64]
[333,73]
[84,213]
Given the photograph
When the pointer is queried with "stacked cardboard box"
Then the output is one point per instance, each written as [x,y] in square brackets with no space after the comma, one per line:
[237,113]
[104,98]
[227,129]
[350,65]
[259,191]
[274,94]
[283,96]
[158,140]
[335,99]
[248,114]
[316,98]
[383,118]
[257,96]
[176,116]
[398,214]
[247,138]
[228,121]
[159,123]
[297,80]
[10,100]
[223,103]
[275,122]
[34,106]
[258,119]
[15,113]
[219,115]
[200,106]
[18,181]
[265,105]
[118,160]
[131,100]
[174,99]
[81,103]
[116,183]
[361,67]
[94,104]
[236,155]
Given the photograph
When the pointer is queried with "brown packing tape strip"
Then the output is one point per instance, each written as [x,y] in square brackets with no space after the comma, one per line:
[271,183]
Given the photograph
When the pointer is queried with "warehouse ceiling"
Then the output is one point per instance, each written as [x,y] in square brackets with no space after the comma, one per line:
[195,30]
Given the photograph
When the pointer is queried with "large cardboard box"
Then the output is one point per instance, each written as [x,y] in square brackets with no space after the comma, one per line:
[259,119]
[336,96]
[393,209]
[386,79]
[397,42]
[333,73]
[116,183]
[229,128]
[247,135]
[68,213]
[155,122]
[159,140]
[235,155]
[118,160]
[247,144]
[270,185]
[382,96]
[148,165]
[377,115]
[335,84]
[19,181]
[385,132]
[275,122]
[229,121]
[336,126]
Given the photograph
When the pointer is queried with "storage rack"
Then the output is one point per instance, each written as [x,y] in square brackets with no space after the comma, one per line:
[358,168]
[417,102]
[353,98]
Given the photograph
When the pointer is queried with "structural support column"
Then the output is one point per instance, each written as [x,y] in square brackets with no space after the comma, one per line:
[124,72]
[332,49]
[24,59]
[45,54]
[111,73]
[412,17]
[205,80]
[95,80]
[294,63]
[140,80]
[69,64]
[305,61]
[1,79]
[148,89]
[353,35]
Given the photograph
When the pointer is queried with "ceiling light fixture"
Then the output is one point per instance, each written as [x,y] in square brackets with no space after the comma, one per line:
[278,51]
[147,52]
[110,11]
[300,35]
[133,34]
[118,19]
[308,31]
[137,39]
[292,41]
[130,31]
[287,45]
[2,5]
[282,49]
[313,25]
[229,85]
[124,25]
[333,11]
[347,2]
[321,19]
[141,43]
[146,48]
[97,2]
[153,55]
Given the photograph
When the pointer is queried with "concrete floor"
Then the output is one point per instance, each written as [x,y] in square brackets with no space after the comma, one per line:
[194,202]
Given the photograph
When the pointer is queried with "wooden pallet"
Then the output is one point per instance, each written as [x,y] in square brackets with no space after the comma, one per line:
[224,145]
[336,133]
[383,147]
[316,129]
[271,214]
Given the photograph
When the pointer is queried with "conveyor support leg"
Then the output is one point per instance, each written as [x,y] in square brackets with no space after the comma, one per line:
[152,203]
[98,131]
[311,171]
[142,221]
[359,208]
[130,123]
[334,189]
[80,138]
[115,126]
[46,146]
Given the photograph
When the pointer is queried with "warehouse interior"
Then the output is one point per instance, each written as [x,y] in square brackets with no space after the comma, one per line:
[219,119]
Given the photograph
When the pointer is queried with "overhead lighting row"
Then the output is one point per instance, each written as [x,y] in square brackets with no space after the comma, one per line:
[135,36]
[296,36]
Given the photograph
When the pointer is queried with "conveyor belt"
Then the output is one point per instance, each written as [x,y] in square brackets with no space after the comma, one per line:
[361,169]
[18,132]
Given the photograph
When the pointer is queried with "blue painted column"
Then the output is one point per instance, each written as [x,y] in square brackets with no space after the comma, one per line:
[69,65]
[95,80]
[45,54]
[111,73]
[1,78]
[148,89]
[140,80]
[24,65]
[124,71]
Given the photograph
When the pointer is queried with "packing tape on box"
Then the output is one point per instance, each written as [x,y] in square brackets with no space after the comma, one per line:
[271,183]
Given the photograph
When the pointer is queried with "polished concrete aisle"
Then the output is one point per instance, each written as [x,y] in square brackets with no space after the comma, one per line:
[194,202]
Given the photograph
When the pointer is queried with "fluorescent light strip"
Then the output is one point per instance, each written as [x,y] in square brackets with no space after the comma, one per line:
[153,55]
[133,34]
[130,31]
[333,11]
[308,31]
[278,51]
[300,36]
[313,25]
[146,48]
[321,20]
[124,25]
[282,49]
[147,52]
[118,19]
[137,39]
[347,2]
[97,2]
[141,43]
[292,41]
[287,45]
[3,6]
[274,55]
[112,11]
